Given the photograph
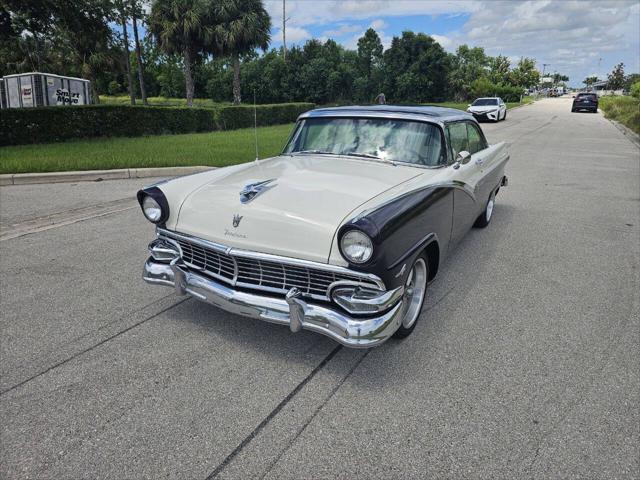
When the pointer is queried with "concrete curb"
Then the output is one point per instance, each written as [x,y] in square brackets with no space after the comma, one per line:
[97,175]
[627,132]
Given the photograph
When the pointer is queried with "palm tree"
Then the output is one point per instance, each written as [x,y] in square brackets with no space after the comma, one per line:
[181,26]
[136,12]
[127,62]
[241,27]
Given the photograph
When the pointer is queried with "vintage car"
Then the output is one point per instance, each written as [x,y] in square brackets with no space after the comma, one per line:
[342,232]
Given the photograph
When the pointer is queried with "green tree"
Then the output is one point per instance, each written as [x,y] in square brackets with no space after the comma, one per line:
[241,27]
[416,69]
[631,79]
[469,64]
[499,69]
[71,37]
[590,80]
[182,27]
[370,63]
[615,80]
[525,74]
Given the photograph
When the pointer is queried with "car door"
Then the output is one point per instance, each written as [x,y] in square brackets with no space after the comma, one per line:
[465,178]
[503,108]
[483,156]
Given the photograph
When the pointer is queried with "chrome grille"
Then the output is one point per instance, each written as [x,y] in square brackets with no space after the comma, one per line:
[215,263]
[252,273]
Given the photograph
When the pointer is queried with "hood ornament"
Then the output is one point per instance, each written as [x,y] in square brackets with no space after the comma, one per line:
[252,190]
[236,220]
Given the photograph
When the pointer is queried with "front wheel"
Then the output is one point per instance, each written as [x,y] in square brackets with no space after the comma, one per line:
[485,217]
[505,115]
[415,289]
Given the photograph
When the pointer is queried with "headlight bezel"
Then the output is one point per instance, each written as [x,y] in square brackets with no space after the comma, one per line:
[351,259]
[155,194]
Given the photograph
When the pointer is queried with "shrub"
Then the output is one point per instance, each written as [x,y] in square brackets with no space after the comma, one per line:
[242,116]
[635,89]
[56,124]
[625,110]
[483,87]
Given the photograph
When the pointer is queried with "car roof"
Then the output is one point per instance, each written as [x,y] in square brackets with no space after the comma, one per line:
[422,112]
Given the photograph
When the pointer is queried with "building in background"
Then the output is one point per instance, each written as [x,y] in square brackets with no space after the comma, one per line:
[35,89]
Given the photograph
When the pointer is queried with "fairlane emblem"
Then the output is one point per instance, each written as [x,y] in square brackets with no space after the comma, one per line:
[236,220]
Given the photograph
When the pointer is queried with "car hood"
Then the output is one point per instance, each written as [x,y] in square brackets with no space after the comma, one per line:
[298,213]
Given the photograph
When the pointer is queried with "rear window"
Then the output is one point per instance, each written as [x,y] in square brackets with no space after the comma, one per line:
[590,96]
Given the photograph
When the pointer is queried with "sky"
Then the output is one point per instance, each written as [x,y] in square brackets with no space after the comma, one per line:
[578,38]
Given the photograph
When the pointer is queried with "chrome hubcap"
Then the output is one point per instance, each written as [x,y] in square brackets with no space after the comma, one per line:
[414,290]
[490,208]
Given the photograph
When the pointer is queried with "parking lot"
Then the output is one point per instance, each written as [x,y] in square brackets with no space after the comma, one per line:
[524,362]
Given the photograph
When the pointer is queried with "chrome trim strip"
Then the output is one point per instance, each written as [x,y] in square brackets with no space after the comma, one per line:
[295,262]
[349,331]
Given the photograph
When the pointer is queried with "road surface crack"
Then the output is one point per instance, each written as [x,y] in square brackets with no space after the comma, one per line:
[92,347]
[275,412]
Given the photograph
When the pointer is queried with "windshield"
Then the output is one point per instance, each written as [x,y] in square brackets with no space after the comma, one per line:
[485,101]
[381,138]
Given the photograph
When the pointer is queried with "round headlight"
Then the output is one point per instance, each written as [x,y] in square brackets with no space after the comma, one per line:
[151,209]
[356,246]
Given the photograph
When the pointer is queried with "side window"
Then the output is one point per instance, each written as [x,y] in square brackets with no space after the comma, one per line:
[458,138]
[476,141]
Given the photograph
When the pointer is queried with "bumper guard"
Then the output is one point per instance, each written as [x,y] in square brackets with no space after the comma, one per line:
[292,310]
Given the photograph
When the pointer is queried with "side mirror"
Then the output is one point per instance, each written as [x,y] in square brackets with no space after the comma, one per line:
[462,158]
[469,105]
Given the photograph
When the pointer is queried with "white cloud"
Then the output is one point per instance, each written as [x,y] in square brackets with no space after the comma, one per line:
[294,34]
[342,30]
[446,42]
[571,35]
[378,24]
[314,12]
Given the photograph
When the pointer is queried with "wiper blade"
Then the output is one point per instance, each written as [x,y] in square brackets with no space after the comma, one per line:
[368,155]
[318,152]
[364,155]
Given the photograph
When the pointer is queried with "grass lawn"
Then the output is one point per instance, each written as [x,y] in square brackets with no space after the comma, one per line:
[215,148]
[161,101]
[625,110]
[464,106]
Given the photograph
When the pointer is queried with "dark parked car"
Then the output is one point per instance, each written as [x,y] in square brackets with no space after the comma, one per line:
[585,101]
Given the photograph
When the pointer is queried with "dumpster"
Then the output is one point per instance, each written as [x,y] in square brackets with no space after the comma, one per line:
[36,89]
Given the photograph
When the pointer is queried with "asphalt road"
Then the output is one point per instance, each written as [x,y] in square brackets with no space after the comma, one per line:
[524,363]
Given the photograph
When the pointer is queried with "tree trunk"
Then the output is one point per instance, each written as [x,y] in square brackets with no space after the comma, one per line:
[143,90]
[188,75]
[125,37]
[236,80]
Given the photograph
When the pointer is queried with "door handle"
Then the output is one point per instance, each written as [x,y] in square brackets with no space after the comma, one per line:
[479,161]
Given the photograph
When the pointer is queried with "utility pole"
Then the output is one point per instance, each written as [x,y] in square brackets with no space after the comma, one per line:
[544,67]
[284,27]
[284,30]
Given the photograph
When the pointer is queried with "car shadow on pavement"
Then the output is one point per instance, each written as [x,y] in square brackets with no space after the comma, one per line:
[441,332]
[469,263]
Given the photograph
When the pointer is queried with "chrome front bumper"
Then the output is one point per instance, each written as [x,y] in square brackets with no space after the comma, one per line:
[293,310]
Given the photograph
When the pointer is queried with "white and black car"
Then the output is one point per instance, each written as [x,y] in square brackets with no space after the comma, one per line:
[488,108]
[340,233]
